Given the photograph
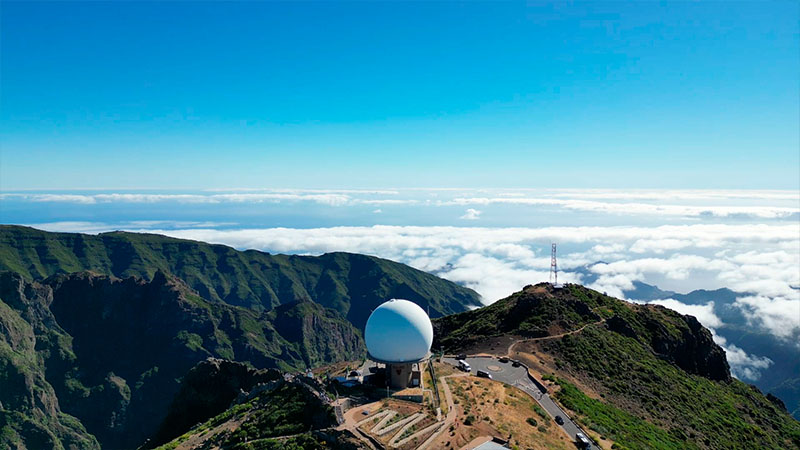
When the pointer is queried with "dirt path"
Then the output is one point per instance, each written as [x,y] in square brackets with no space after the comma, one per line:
[451,410]
[555,336]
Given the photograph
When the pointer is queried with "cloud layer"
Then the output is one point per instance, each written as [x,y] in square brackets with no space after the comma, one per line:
[759,259]
[748,241]
[670,203]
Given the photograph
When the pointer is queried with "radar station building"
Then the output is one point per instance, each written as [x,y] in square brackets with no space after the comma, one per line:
[399,335]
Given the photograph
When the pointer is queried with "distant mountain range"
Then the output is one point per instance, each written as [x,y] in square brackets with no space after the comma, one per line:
[102,328]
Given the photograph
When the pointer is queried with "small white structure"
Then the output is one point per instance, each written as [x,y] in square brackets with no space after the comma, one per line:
[399,334]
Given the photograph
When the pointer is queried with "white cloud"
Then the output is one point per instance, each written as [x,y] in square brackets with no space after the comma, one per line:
[140,225]
[758,259]
[679,194]
[779,315]
[702,204]
[704,313]
[659,245]
[471,214]
[631,208]
[743,365]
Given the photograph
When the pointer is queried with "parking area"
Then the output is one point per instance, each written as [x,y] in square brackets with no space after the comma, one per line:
[507,373]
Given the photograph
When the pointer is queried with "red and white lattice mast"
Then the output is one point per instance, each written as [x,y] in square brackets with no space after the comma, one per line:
[553,267]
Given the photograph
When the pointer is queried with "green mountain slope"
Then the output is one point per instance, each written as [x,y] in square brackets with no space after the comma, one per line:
[30,416]
[349,283]
[278,414]
[642,376]
[782,378]
[114,350]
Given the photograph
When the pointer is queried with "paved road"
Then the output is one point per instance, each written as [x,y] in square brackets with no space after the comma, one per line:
[518,377]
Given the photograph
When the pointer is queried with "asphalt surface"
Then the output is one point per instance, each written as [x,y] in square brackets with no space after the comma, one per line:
[518,377]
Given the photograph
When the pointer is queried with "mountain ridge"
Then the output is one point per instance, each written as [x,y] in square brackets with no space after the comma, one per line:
[353,284]
[642,376]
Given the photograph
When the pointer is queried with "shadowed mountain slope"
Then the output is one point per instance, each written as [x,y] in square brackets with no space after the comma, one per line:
[114,350]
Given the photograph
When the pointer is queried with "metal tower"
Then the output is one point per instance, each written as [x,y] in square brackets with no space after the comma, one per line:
[553,267]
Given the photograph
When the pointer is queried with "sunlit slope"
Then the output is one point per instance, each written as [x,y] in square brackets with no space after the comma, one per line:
[642,376]
[349,283]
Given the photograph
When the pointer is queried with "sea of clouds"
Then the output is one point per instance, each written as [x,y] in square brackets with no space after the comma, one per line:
[497,241]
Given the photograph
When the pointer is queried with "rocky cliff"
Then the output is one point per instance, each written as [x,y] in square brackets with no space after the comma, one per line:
[114,350]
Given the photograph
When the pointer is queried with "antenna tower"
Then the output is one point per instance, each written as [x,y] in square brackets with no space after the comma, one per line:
[553,266]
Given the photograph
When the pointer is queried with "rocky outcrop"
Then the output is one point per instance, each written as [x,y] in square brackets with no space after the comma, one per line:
[621,326]
[694,350]
[206,391]
[676,338]
[325,335]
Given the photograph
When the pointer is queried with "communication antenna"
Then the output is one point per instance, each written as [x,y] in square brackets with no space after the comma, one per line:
[553,266]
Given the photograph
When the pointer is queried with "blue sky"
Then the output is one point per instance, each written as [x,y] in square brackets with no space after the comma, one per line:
[183,95]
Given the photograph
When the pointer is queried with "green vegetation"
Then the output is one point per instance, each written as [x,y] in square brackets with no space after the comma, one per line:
[541,412]
[289,410]
[626,429]
[533,312]
[29,413]
[691,408]
[82,323]
[349,283]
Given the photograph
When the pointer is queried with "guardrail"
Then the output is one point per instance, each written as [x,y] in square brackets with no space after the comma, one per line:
[435,384]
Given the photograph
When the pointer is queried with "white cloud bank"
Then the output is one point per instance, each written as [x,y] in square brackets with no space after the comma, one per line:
[681,203]
[498,261]
[763,260]
[634,208]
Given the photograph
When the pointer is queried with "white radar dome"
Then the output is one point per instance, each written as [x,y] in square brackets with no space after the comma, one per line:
[398,331]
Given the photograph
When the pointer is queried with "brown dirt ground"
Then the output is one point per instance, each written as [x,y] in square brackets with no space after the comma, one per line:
[476,398]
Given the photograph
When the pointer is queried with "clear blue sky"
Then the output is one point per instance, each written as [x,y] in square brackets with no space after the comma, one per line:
[196,95]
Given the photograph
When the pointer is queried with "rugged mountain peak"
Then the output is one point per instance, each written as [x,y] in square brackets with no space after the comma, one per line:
[30,415]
